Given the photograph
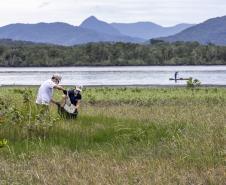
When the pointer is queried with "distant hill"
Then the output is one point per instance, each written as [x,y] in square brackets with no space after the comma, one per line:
[210,31]
[90,30]
[10,42]
[58,33]
[142,30]
[92,23]
[148,30]
[99,26]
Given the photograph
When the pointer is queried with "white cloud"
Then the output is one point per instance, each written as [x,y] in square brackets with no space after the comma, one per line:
[165,12]
[44,4]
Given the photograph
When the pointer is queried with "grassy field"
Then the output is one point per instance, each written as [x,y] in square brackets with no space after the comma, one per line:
[121,136]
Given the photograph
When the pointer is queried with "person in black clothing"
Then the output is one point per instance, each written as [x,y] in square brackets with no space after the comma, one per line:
[175,76]
[70,103]
[75,96]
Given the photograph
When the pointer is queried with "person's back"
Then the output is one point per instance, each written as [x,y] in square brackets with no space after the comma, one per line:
[74,96]
[45,92]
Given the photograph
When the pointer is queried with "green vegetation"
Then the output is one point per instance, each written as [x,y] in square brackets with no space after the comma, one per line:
[20,54]
[121,136]
[192,83]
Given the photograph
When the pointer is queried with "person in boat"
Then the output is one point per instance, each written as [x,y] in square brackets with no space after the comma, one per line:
[175,75]
[69,105]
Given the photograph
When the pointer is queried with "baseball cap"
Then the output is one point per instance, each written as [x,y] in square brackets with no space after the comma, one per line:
[57,76]
[79,88]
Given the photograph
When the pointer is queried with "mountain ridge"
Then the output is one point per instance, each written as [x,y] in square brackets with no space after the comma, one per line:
[100,26]
[90,30]
[57,33]
[155,30]
[210,31]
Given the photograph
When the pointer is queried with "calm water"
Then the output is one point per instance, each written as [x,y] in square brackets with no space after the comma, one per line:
[157,75]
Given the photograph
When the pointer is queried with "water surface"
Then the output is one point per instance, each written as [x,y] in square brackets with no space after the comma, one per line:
[135,75]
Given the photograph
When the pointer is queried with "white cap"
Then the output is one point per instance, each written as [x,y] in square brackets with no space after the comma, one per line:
[79,88]
[57,76]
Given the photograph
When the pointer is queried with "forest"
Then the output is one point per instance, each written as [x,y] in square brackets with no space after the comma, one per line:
[27,54]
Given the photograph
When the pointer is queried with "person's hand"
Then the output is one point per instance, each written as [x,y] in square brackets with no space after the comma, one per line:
[76,110]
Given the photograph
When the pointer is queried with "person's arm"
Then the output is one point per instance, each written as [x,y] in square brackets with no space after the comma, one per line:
[58,87]
[78,104]
[52,85]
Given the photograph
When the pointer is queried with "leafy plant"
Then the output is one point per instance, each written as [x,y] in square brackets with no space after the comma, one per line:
[3,142]
[192,83]
[23,119]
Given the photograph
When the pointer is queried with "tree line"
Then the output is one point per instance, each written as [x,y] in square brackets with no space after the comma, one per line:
[25,54]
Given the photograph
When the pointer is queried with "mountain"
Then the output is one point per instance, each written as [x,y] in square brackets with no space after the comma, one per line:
[90,30]
[148,30]
[142,30]
[58,33]
[93,23]
[55,33]
[210,31]
[167,31]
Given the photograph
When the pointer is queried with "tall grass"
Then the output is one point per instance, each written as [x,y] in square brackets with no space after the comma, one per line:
[121,136]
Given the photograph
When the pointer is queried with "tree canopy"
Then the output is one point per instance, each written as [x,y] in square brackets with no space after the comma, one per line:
[25,54]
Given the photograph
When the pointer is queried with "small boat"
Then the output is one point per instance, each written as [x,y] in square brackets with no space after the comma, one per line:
[179,79]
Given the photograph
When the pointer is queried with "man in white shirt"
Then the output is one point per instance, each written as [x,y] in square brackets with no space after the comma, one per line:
[45,92]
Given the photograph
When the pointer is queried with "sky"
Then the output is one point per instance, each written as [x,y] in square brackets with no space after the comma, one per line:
[163,12]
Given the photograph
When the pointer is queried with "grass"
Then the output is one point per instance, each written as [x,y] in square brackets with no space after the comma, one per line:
[121,136]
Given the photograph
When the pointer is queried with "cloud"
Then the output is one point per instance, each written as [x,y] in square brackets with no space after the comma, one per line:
[164,12]
[44,4]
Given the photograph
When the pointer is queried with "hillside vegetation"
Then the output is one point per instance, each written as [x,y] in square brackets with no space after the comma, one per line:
[21,54]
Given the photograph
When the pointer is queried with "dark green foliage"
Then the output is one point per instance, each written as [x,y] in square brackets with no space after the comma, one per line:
[20,54]
[192,83]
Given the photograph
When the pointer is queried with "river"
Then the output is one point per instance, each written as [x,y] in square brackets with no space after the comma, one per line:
[126,75]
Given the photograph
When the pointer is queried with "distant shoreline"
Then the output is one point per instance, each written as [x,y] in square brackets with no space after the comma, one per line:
[121,86]
[177,65]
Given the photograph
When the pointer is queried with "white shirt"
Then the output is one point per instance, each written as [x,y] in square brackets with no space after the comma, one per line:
[45,92]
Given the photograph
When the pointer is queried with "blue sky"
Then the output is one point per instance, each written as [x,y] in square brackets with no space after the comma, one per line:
[163,12]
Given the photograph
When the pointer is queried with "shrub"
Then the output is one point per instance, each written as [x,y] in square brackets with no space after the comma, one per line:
[193,83]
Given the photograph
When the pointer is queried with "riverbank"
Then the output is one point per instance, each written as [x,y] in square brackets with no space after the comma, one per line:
[119,86]
[121,136]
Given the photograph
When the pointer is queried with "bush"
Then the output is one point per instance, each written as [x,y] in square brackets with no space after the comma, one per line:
[193,83]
